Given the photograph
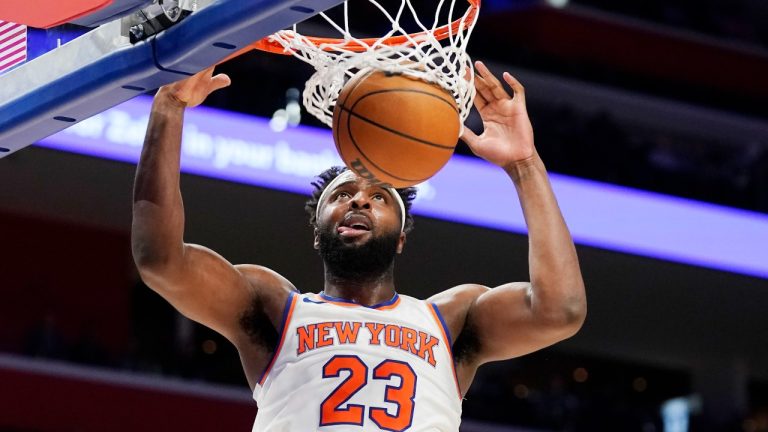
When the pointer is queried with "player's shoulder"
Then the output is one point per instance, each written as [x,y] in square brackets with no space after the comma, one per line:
[465,294]
[454,304]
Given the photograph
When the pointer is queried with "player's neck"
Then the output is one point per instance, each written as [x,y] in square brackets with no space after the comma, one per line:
[366,291]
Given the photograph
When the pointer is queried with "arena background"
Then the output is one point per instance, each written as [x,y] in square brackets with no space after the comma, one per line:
[663,96]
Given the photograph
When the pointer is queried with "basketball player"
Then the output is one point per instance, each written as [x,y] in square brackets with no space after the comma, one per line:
[359,356]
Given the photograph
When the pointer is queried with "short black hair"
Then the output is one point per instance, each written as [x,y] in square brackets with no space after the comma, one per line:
[326,177]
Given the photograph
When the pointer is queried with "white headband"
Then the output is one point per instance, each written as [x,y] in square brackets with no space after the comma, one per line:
[350,176]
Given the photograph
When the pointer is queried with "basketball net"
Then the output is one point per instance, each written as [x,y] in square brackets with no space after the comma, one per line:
[435,53]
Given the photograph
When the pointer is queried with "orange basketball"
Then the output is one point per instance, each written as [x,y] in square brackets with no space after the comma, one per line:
[393,129]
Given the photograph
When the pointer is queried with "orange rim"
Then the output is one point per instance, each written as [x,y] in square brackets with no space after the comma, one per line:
[363,44]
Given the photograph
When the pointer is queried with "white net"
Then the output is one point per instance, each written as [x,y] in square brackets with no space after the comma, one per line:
[434,52]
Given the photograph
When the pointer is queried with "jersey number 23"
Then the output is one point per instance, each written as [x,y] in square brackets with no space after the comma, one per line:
[401,395]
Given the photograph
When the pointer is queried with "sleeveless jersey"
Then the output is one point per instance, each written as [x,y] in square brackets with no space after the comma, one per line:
[343,367]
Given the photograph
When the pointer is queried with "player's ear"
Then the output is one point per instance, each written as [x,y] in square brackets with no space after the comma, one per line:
[401,242]
[316,243]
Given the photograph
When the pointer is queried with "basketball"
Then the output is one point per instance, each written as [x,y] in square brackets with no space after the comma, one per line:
[394,129]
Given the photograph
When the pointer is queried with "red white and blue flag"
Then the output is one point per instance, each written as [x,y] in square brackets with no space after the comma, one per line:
[13,44]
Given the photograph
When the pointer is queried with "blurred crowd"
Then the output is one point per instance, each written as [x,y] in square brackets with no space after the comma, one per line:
[161,341]
[598,147]
[740,20]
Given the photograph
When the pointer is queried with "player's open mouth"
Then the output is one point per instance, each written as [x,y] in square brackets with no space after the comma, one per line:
[354,225]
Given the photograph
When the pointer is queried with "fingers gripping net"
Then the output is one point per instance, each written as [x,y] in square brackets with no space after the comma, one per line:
[435,53]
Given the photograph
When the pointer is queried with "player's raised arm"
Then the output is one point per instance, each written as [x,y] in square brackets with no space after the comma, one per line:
[195,280]
[518,318]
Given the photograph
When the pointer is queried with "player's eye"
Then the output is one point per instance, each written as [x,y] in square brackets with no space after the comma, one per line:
[378,196]
[342,194]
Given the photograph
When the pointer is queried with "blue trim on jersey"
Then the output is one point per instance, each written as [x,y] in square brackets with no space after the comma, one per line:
[286,309]
[449,342]
[309,300]
[445,326]
[343,300]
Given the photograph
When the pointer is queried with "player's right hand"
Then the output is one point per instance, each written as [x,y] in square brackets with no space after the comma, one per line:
[507,137]
[192,91]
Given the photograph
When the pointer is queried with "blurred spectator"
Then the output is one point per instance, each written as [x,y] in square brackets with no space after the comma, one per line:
[596,146]
[739,20]
[44,340]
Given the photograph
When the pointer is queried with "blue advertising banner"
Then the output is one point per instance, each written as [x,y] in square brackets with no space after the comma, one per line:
[245,149]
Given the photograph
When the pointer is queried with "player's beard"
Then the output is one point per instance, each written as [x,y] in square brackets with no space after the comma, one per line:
[365,262]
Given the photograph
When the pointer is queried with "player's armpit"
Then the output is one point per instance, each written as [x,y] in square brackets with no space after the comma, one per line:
[508,322]
[208,289]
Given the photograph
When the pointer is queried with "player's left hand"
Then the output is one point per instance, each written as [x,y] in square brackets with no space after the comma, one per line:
[507,137]
[192,91]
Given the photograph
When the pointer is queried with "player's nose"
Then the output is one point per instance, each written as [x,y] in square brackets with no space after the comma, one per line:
[360,200]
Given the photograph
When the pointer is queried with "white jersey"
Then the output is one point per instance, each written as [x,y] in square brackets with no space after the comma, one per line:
[340,366]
